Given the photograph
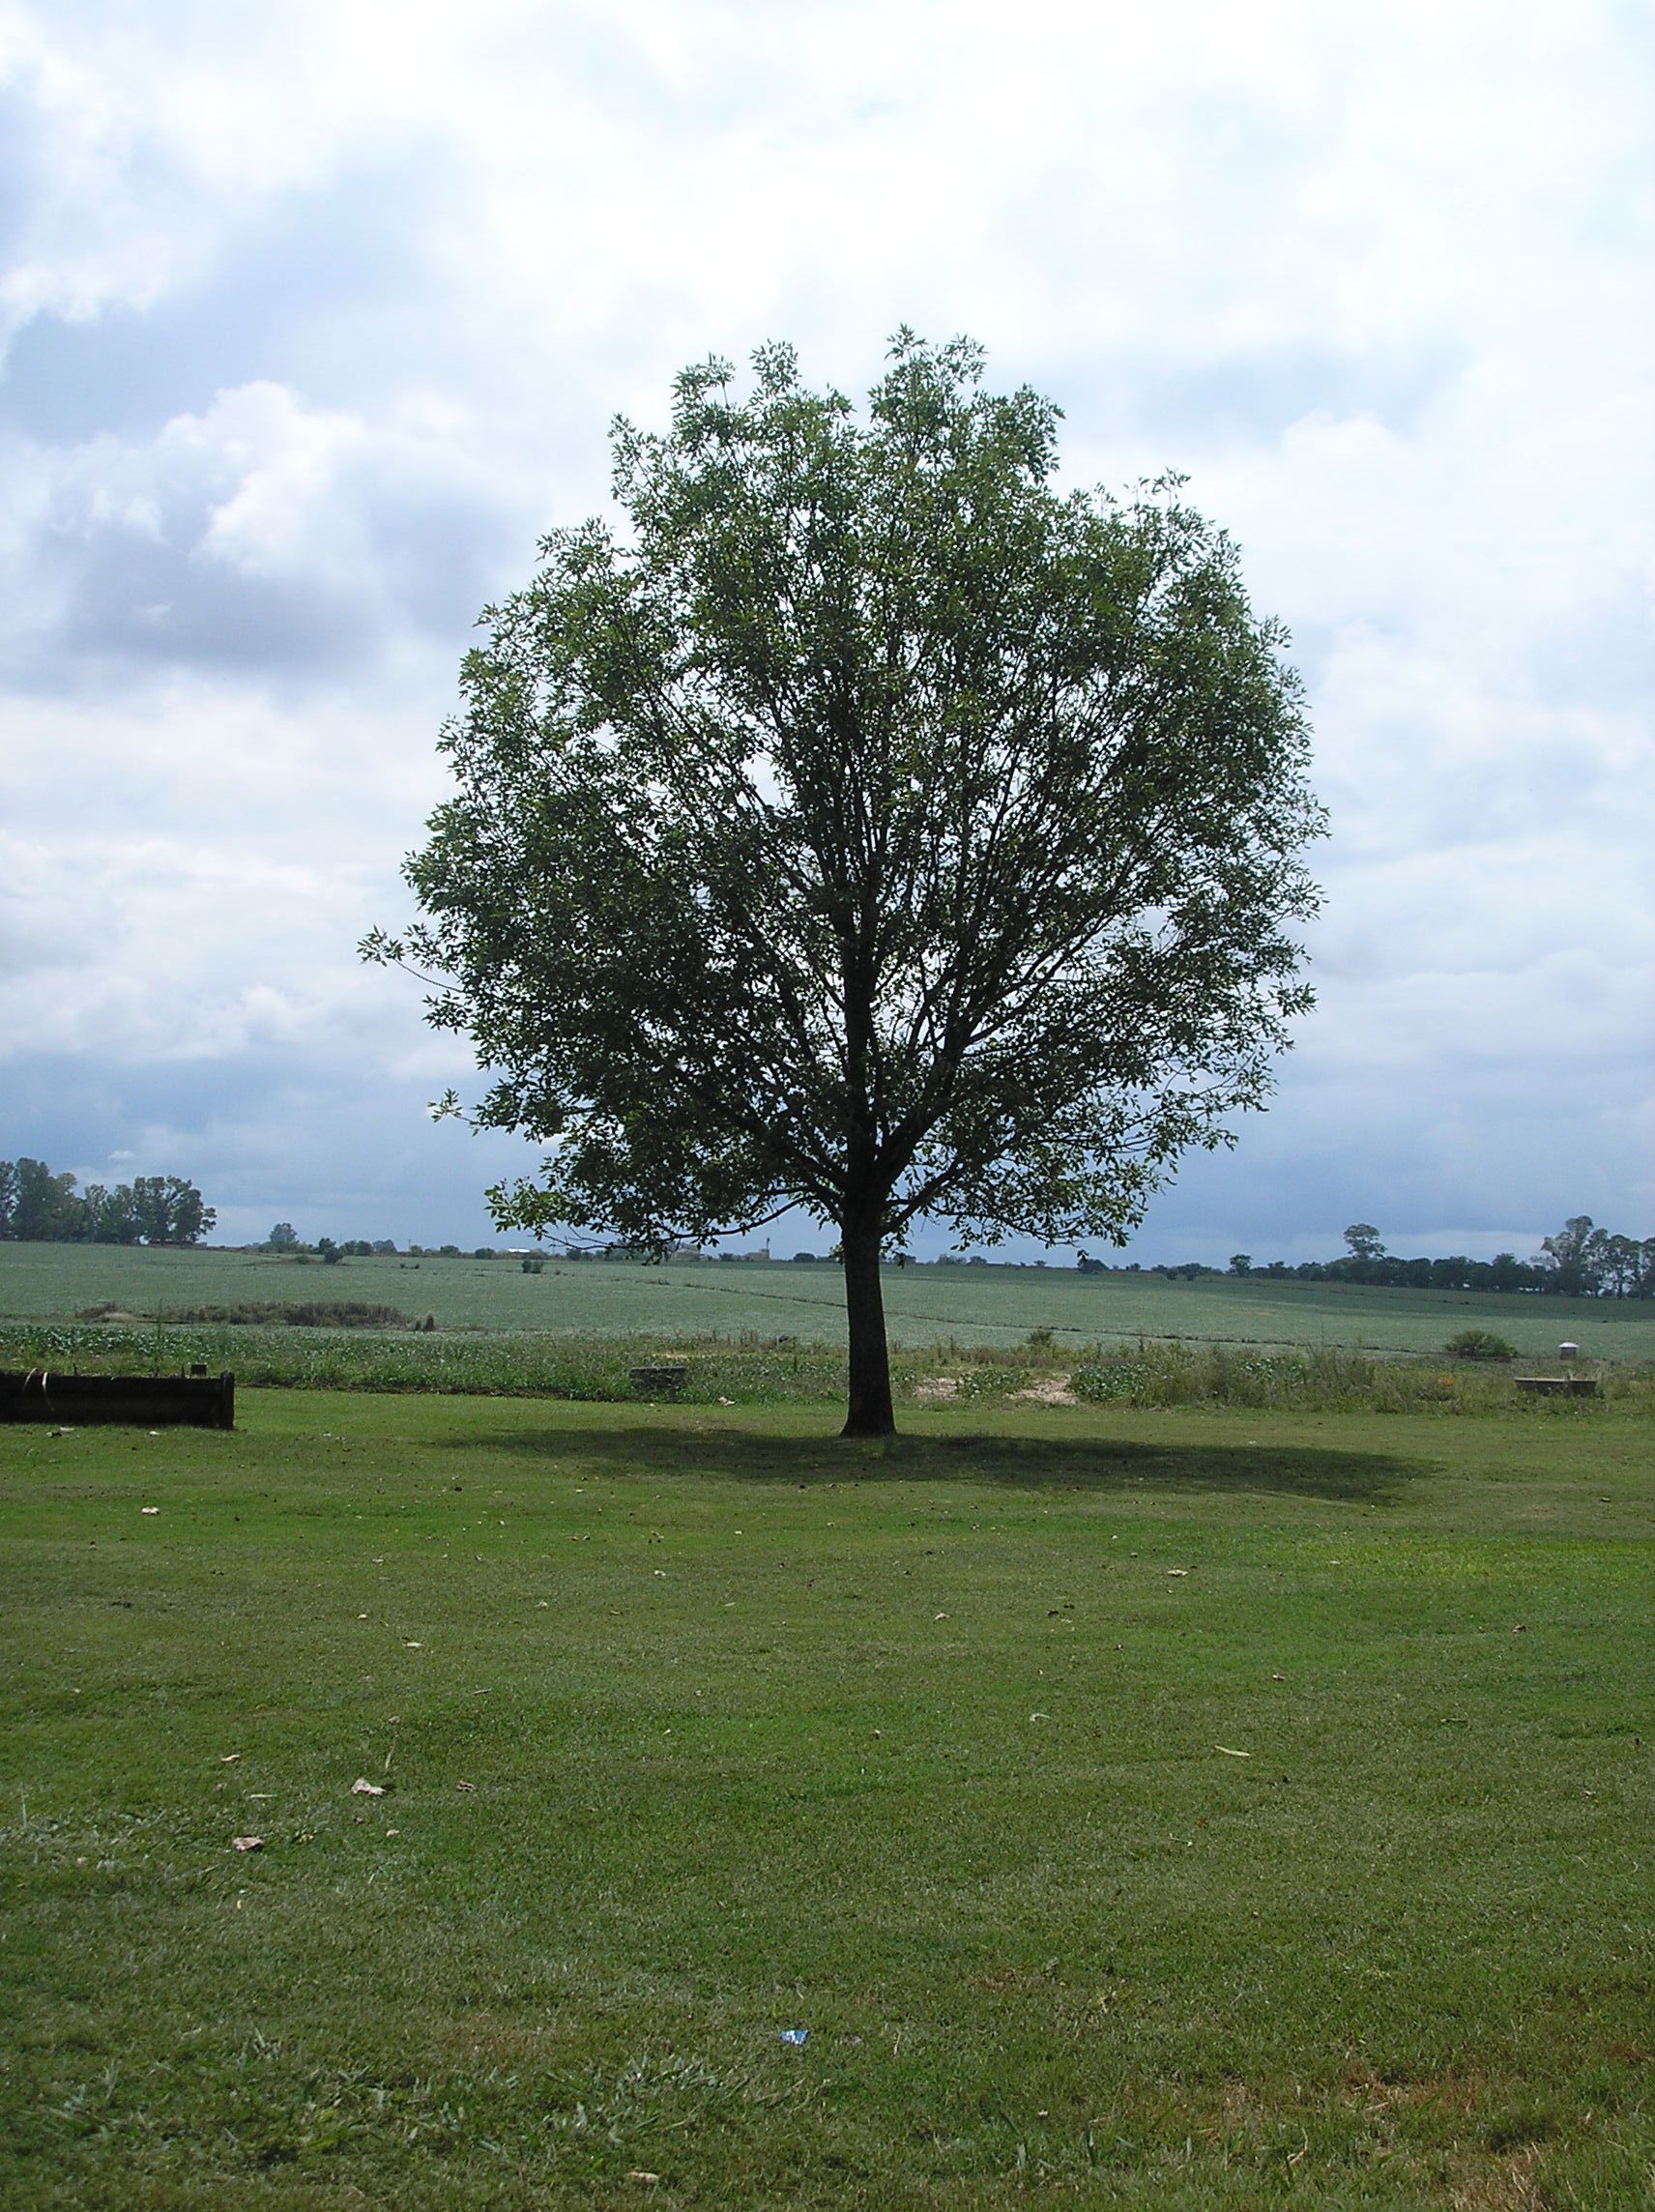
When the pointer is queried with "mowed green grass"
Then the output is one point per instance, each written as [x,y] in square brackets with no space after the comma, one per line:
[924,1305]
[1163,1811]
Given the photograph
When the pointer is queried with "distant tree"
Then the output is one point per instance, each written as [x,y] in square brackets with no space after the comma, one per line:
[111,1216]
[283,1238]
[1240,1263]
[880,831]
[1566,1260]
[328,1252]
[7,1198]
[1362,1240]
[1619,1260]
[44,1209]
[170,1211]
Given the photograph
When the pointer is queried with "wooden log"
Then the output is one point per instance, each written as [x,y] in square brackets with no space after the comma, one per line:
[144,1401]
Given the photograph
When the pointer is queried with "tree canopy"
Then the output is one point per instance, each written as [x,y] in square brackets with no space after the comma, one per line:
[39,1206]
[860,823]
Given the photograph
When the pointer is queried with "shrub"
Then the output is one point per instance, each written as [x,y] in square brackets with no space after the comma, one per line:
[1479,1344]
[308,1313]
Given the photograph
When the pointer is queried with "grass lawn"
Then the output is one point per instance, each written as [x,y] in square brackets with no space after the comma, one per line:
[1164,1810]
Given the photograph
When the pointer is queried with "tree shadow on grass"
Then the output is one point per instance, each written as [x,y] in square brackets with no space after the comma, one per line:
[1014,1463]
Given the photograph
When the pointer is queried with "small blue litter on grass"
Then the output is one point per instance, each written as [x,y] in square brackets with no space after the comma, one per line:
[793,2035]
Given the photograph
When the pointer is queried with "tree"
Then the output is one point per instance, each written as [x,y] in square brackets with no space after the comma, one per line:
[45,1208]
[111,1215]
[1240,1263]
[169,1210]
[876,830]
[283,1238]
[1567,1257]
[1362,1240]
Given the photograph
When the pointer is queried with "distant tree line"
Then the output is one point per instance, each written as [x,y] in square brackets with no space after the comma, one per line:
[39,1207]
[1579,1262]
[285,1240]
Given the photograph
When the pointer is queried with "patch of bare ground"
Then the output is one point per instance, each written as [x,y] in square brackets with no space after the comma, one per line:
[1050,1391]
[935,1389]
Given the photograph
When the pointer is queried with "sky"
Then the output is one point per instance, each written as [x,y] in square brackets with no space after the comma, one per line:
[314,318]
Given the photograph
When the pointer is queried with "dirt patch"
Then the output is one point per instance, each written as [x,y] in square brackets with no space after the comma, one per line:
[936,1389]
[1050,1391]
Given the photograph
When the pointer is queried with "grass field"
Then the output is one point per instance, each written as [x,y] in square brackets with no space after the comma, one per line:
[976,1305]
[1180,1811]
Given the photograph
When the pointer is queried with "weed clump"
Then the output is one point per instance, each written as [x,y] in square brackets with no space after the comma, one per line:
[1479,1344]
[303,1313]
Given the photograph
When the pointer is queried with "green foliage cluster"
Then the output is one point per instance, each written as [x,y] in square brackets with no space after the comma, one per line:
[1479,1344]
[870,827]
[38,1207]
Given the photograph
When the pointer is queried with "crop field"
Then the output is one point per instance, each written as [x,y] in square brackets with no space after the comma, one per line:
[1189,1811]
[988,1306]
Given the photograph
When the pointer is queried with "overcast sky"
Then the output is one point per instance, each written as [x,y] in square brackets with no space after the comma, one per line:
[315,318]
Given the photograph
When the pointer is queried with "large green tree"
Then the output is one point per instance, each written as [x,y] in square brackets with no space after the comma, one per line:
[860,824]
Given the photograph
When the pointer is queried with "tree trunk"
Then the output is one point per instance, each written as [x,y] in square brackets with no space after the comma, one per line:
[870,1413]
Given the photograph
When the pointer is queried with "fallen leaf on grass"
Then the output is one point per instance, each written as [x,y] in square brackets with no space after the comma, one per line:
[1039,1716]
[637,2173]
[1229,1754]
[149,1508]
[229,1758]
[467,1786]
[362,1787]
[246,1842]
[1177,1570]
[407,1647]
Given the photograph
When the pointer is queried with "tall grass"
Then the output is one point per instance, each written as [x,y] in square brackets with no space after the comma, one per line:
[748,1369]
[1316,1378]
[496,1363]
